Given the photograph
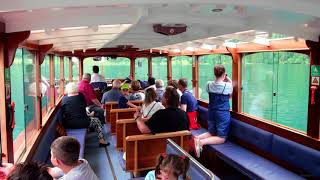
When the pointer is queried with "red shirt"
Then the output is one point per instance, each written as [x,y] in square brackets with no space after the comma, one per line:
[86,89]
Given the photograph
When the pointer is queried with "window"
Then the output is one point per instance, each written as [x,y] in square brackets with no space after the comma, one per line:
[118,68]
[141,69]
[182,68]
[23,88]
[88,63]
[75,69]
[275,87]
[57,76]
[66,70]
[45,85]
[206,65]
[159,68]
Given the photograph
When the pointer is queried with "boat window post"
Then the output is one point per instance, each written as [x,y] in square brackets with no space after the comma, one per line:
[52,87]
[80,68]
[169,68]
[38,91]
[149,66]
[195,75]
[314,107]
[132,67]
[62,76]
[70,69]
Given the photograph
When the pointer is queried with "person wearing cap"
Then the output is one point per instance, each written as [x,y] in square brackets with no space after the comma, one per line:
[123,100]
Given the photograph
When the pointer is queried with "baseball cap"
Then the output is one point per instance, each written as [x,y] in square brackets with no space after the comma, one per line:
[125,86]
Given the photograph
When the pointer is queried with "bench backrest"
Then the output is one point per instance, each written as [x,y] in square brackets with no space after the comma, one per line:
[196,170]
[124,128]
[143,150]
[116,114]
[114,105]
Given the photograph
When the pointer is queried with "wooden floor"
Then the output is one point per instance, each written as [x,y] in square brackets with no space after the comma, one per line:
[104,161]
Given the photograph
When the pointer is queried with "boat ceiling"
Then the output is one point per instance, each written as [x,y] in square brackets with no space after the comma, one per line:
[80,25]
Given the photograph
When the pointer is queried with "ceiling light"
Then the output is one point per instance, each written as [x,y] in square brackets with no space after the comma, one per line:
[108,25]
[306,25]
[73,28]
[190,48]
[56,9]
[262,41]
[176,50]
[206,46]
[30,10]
[38,31]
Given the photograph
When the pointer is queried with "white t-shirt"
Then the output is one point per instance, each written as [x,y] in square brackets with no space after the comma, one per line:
[152,107]
[219,87]
[81,172]
[95,77]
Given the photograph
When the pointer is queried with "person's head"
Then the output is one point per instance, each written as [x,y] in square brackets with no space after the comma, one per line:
[71,88]
[172,166]
[182,84]
[125,89]
[65,151]
[151,96]
[29,171]
[151,81]
[173,83]
[86,77]
[171,97]
[95,69]
[116,84]
[159,83]
[219,71]
[135,85]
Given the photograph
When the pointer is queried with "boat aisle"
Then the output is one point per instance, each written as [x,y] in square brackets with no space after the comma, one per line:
[104,161]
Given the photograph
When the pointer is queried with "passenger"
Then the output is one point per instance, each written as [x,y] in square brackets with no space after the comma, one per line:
[136,95]
[93,103]
[150,106]
[171,167]
[65,157]
[151,83]
[114,94]
[74,114]
[96,77]
[174,83]
[219,91]
[123,100]
[25,171]
[188,103]
[170,119]
[159,90]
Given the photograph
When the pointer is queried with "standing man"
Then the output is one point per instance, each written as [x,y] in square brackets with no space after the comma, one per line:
[188,103]
[93,103]
[96,77]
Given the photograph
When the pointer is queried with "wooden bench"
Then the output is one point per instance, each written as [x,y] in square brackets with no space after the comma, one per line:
[124,128]
[116,114]
[143,150]
[114,105]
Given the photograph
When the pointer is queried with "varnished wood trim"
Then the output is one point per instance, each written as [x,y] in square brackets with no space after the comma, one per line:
[38,91]
[149,66]
[125,121]
[169,68]
[123,110]
[62,76]
[157,136]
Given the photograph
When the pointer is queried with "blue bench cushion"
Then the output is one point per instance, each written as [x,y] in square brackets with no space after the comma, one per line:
[259,138]
[80,135]
[299,156]
[121,160]
[251,164]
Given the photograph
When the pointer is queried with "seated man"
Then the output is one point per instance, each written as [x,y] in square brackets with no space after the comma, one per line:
[170,119]
[74,114]
[188,103]
[93,103]
[96,77]
[114,94]
[65,157]
[26,171]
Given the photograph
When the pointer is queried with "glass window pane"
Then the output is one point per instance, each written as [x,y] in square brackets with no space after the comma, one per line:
[182,68]
[159,68]
[206,65]
[75,69]
[17,96]
[29,93]
[257,83]
[293,90]
[57,75]
[66,70]
[141,69]
[118,68]
[45,85]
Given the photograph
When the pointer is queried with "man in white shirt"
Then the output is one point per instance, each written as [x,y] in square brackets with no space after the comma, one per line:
[96,77]
[65,157]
